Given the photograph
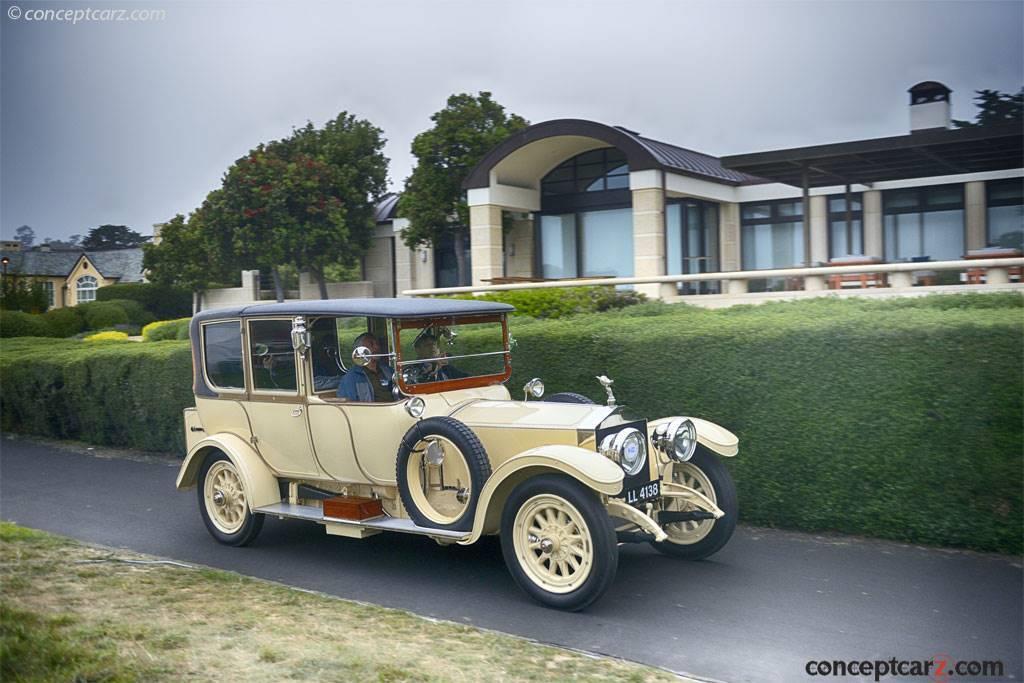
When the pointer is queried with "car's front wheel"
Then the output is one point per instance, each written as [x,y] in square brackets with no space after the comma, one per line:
[694,540]
[223,505]
[558,542]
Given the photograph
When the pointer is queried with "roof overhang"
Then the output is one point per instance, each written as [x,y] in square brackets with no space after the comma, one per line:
[579,135]
[920,154]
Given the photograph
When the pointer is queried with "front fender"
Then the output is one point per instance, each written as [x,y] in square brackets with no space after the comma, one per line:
[588,467]
[261,487]
[715,437]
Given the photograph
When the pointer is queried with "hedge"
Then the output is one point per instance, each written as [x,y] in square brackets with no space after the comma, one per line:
[561,302]
[100,314]
[65,322]
[108,335]
[18,324]
[163,330]
[901,421]
[163,302]
[127,395]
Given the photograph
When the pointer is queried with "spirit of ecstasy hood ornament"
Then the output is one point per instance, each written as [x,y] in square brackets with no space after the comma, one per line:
[607,383]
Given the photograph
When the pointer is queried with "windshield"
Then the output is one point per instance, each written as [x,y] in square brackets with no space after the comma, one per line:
[452,353]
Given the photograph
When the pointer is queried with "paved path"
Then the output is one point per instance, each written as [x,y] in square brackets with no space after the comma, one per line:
[757,611]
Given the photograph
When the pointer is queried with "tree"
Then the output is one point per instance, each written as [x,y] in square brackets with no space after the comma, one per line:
[336,219]
[113,237]
[995,107]
[433,200]
[184,256]
[306,200]
[25,235]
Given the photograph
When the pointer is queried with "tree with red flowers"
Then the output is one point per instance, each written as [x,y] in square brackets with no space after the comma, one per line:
[306,200]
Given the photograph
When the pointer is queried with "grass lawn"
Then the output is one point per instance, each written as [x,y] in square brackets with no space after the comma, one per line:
[71,612]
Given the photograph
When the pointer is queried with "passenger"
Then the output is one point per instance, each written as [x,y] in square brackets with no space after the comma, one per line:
[369,384]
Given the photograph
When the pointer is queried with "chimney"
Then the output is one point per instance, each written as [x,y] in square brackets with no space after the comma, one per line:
[929,107]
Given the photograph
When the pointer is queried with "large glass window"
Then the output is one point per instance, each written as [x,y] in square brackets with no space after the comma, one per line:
[85,289]
[845,239]
[222,351]
[772,236]
[272,355]
[924,223]
[558,246]
[692,242]
[446,264]
[587,244]
[1006,213]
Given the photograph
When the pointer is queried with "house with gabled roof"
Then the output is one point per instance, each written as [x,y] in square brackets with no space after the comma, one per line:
[72,277]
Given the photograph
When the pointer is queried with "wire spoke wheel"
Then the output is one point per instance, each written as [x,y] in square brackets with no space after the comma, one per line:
[439,479]
[692,477]
[224,497]
[553,543]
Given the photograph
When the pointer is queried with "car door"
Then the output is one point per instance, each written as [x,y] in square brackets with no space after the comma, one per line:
[275,405]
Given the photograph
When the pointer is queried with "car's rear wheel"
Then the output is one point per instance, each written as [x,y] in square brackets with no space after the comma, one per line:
[441,469]
[223,505]
[568,397]
[694,540]
[558,542]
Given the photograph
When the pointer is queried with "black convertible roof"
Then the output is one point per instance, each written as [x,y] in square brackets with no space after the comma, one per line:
[370,308]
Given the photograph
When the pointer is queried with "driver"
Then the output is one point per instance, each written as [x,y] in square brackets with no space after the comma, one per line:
[438,371]
[369,384]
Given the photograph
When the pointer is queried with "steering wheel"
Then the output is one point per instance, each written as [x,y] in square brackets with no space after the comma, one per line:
[332,352]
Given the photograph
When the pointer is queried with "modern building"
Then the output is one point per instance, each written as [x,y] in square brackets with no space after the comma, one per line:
[593,200]
[72,277]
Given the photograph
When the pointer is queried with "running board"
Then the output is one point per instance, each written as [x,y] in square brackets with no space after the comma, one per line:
[313,513]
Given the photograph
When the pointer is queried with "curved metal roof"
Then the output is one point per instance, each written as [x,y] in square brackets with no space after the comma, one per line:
[641,153]
[370,308]
[385,209]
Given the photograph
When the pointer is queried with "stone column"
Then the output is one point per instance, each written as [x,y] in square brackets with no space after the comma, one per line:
[730,242]
[649,240]
[975,215]
[817,223]
[873,244]
[485,242]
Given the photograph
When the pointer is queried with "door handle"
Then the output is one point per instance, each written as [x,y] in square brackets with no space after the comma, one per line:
[297,411]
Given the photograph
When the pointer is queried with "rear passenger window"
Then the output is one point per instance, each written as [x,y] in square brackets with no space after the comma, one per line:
[273,358]
[223,352]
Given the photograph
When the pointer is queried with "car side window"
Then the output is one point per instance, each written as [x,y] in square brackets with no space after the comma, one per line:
[223,354]
[271,355]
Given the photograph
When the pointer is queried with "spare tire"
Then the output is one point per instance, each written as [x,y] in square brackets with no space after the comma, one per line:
[441,470]
[568,397]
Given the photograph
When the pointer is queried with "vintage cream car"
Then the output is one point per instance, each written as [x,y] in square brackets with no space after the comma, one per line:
[373,415]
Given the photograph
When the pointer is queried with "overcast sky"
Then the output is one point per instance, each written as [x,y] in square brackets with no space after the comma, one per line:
[133,122]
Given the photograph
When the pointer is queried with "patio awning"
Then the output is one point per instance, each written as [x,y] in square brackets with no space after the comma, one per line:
[918,155]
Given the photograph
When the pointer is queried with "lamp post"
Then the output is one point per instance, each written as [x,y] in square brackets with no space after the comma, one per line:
[4,261]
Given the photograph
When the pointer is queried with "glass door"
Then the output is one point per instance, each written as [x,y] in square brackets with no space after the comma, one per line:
[692,243]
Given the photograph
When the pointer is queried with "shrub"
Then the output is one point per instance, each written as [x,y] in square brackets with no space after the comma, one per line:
[109,335]
[137,315]
[19,324]
[163,330]
[560,302]
[17,294]
[100,314]
[162,301]
[65,322]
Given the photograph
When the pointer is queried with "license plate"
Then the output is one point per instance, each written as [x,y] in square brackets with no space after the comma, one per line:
[638,494]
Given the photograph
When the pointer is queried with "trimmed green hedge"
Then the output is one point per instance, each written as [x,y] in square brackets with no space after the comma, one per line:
[65,322]
[117,394]
[894,419]
[163,302]
[18,324]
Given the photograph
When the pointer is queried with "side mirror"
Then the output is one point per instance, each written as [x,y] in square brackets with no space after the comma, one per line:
[300,336]
[361,356]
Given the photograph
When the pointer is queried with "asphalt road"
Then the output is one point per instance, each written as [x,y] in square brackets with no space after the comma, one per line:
[757,611]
